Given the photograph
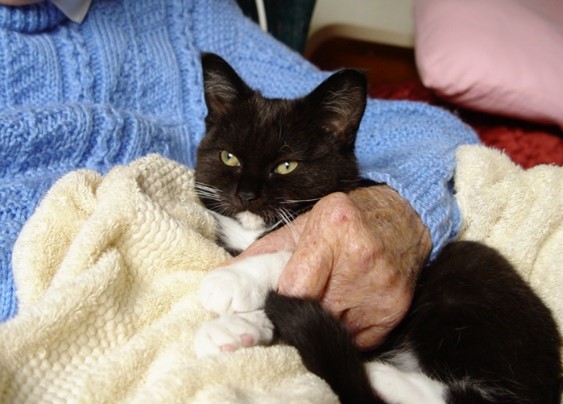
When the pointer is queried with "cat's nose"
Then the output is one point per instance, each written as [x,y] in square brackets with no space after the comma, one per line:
[247,197]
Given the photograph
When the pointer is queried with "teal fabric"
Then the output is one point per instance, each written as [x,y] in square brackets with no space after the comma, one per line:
[288,20]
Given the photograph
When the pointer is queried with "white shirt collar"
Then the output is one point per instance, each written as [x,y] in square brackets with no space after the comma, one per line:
[75,10]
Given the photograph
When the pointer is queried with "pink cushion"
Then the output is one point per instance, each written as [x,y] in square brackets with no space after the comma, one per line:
[498,56]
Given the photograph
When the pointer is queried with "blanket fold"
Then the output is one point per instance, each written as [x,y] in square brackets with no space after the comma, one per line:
[518,212]
[108,269]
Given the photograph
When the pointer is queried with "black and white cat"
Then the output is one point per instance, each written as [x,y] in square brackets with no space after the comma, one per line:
[476,332]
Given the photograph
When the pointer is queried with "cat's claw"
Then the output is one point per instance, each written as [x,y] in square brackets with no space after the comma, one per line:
[230,332]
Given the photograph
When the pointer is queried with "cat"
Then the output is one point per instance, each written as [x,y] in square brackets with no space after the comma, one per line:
[476,332]
[263,161]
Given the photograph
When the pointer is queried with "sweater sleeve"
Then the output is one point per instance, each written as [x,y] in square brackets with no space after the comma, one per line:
[409,146]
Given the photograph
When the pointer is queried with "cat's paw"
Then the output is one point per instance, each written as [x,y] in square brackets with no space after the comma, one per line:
[227,290]
[243,285]
[233,331]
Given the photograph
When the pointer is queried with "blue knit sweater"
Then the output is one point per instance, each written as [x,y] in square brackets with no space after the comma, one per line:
[127,81]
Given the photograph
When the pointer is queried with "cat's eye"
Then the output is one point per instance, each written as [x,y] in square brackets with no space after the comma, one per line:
[229,159]
[286,167]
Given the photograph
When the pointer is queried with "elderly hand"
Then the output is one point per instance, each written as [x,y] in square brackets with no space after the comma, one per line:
[359,254]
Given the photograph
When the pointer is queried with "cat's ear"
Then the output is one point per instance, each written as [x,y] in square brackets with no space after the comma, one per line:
[341,100]
[222,86]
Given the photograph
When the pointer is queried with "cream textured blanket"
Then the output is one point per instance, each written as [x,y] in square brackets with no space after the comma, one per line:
[108,270]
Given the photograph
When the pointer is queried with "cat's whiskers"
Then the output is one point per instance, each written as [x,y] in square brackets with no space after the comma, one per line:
[294,201]
[284,215]
[214,198]
[220,208]
[208,192]
[286,218]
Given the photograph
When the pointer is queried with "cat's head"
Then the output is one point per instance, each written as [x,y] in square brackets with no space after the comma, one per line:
[269,159]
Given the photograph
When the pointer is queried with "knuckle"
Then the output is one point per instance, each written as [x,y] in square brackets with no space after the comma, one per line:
[339,210]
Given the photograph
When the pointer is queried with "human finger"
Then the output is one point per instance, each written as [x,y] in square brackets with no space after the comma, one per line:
[307,271]
[329,227]
[370,322]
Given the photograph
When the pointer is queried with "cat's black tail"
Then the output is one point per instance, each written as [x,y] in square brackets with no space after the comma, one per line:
[326,348]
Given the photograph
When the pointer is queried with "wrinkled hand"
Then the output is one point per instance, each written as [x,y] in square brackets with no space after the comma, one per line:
[357,253]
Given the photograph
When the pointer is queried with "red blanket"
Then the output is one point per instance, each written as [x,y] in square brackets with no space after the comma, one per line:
[527,144]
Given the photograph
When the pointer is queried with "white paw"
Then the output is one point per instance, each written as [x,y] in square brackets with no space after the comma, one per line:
[226,290]
[242,286]
[233,331]
[396,386]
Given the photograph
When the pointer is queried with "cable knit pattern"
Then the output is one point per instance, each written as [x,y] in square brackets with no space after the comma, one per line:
[127,82]
[32,18]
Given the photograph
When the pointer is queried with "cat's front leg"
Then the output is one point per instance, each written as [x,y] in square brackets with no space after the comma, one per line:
[237,293]
[243,285]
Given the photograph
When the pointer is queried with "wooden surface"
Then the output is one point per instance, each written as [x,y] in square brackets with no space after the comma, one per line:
[384,64]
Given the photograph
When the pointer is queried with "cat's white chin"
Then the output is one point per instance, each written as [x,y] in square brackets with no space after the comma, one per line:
[251,221]
[240,233]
